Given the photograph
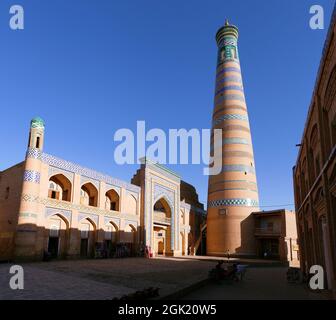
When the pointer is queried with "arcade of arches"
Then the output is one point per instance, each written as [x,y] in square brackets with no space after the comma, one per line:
[66,211]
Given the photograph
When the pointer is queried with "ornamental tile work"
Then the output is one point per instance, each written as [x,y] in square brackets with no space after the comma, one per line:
[31,176]
[71,206]
[33,153]
[85,180]
[228,141]
[108,220]
[228,117]
[37,123]
[52,211]
[28,215]
[230,114]
[233,202]
[228,42]
[75,168]
[229,97]
[92,217]
[160,191]
[54,171]
[236,141]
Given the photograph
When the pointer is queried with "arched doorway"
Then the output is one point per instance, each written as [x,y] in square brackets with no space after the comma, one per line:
[127,245]
[57,235]
[161,227]
[60,188]
[87,238]
[111,239]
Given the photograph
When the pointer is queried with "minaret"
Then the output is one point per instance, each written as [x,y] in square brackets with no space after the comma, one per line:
[27,232]
[232,194]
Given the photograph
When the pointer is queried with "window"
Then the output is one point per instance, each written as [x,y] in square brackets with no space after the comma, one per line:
[37,142]
[113,206]
[223,212]
[7,193]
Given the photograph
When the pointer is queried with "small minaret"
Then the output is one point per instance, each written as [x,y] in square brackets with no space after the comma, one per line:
[27,231]
[232,194]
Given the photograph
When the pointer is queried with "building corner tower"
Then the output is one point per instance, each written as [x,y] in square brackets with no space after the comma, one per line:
[28,231]
[233,193]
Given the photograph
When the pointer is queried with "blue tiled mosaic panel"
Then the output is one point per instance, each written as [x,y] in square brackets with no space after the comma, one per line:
[31,176]
[233,202]
[227,117]
[69,166]
[93,217]
[107,220]
[52,211]
[160,191]
[228,42]
[33,153]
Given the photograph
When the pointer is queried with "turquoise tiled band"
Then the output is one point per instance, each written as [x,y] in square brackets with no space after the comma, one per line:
[227,117]
[233,202]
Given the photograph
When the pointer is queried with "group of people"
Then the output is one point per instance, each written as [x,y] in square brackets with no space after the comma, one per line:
[225,272]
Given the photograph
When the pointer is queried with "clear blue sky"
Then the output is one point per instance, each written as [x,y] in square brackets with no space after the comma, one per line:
[91,67]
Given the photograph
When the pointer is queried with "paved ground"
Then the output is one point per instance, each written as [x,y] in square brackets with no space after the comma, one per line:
[106,279]
[102,279]
[260,283]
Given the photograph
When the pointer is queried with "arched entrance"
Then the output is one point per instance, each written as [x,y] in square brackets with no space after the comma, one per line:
[87,238]
[161,227]
[57,235]
[111,239]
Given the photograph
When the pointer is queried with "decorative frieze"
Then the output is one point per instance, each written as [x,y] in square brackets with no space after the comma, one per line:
[85,172]
[31,176]
[233,202]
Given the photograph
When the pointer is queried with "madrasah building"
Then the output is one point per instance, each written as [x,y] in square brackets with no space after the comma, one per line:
[51,205]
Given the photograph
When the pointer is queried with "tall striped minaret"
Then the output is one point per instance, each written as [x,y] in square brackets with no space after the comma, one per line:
[232,194]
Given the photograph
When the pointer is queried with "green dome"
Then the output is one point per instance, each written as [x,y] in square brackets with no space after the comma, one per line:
[37,123]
